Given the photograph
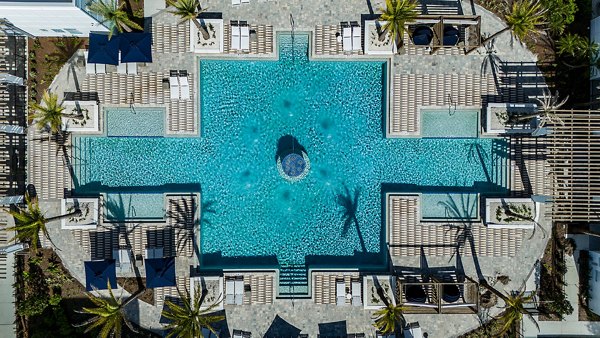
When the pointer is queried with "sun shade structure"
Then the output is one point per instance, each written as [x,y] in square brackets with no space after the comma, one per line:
[102,50]
[99,273]
[160,272]
[135,47]
[574,160]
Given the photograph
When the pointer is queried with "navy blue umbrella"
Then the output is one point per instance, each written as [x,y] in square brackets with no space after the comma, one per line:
[135,47]
[160,272]
[99,273]
[103,50]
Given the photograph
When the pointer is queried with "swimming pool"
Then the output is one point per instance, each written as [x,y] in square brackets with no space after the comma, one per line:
[251,215]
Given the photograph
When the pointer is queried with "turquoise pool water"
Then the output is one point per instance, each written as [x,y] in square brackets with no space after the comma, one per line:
[251,216]
[135,121]
[136,206]
[450,123]
[449,206]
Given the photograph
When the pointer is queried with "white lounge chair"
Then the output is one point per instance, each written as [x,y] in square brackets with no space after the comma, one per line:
[132,68]
[8,200]
[347,39]
[229,292]
[90,68]
[356,295]
[174,86]
[235,2]
[245,1]
[184,87]
[239,292]
[245,38]
[100,68]
[121,67]
[154,253]
[356,38]
[11,129]
[235,37]
[340,293]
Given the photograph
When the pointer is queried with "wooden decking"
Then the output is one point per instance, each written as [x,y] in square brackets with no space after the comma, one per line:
[47,166]
[263,44]
[408,235]
[326,41]
[170,292]
[175,236]
[530,174]
[260,286]
[324,286]
[146,88]
[170,38]
[412,91]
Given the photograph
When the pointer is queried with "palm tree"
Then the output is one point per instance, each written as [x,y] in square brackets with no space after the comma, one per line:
[30,221]
[577,51]
[188,10]
[548,106]
[109,315]
[514,308]
[389,318]
[524,18]
[49,113]
[187,319]
[395,15]
[114,15]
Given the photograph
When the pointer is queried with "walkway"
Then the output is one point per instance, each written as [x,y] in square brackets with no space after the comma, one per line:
[570,325]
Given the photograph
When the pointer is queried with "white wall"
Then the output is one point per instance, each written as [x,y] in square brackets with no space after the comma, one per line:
[594,285]
[39,19]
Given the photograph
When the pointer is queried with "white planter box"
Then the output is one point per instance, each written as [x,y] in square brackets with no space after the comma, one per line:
[494,125]
[493,219]
[214,290]
[89,213]
[212,45]
[372,44]
[388,283]
[90,121]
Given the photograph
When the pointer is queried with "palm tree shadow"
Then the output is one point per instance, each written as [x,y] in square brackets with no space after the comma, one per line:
[463,226]
[116,210]
[492,61]
[186,222]
[475,153]
[349,203]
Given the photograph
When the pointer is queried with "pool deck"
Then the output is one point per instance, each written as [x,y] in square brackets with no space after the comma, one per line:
[416,80]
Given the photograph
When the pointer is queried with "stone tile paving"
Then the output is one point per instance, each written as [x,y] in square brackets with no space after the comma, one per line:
[304,314]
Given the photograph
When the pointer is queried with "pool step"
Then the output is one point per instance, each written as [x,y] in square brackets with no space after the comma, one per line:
[293,281]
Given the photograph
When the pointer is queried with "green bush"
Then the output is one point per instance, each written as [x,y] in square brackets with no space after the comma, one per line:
[53,323]
[560,14]
[33,306]
[559,305]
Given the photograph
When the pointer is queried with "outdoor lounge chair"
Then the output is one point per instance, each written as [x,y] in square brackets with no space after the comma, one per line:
[245,1]
[132,68]
[239,291]
[340,292]
[235,37]
[238,334]
[229,291]
[235,2]
[100,68]
[245,38]
[121,67]
[185,87]
[356,36]
[90,68]
[346,37]
[174,85]
[356,296]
